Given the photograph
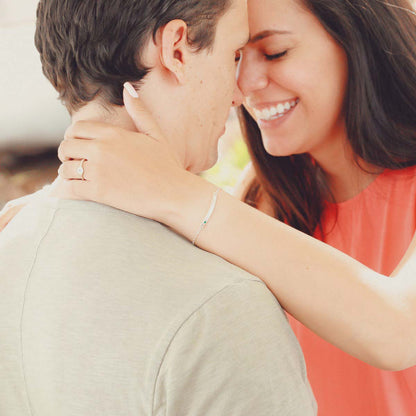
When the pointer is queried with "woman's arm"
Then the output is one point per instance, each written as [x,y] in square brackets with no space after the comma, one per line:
[370,316]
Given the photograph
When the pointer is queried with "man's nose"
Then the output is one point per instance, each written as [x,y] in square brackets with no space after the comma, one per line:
[238,97]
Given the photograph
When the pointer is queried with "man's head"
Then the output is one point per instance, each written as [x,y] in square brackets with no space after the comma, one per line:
[89,49]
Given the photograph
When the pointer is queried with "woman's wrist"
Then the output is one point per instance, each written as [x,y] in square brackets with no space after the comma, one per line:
[188,205]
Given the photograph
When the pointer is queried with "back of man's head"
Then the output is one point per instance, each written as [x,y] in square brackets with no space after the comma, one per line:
[90,48]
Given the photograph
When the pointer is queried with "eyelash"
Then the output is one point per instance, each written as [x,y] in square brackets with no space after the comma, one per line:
[276,56]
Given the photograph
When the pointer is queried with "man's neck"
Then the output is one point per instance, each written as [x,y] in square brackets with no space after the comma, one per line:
[115,115]
[93,111]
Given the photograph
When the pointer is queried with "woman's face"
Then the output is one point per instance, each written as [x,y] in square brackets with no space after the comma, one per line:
[294,77]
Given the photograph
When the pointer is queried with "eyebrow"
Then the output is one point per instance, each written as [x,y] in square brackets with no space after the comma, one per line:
[267,33]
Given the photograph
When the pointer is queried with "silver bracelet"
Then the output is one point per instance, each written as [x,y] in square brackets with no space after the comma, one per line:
[208,216]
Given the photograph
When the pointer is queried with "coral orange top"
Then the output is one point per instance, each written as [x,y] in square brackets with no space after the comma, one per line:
[376,228]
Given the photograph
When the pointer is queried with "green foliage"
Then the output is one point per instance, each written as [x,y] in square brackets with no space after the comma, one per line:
[228,170]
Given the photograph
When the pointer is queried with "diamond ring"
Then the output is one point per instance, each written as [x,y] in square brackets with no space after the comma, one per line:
[80,170]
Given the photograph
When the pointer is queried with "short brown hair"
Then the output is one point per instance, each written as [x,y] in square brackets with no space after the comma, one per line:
[90,48]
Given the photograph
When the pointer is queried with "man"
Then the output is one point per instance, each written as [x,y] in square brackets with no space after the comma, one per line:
[106,313]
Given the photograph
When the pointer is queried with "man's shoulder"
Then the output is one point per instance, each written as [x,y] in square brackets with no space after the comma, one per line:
[140,253]
[182,316]
[143,237]
[240,339]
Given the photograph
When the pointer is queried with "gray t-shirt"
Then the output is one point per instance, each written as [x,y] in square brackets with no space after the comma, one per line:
[106,313]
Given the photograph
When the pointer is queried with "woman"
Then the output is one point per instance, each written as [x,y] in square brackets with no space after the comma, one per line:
[330,118]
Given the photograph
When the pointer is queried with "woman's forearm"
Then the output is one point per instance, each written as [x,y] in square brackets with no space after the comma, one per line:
[368,315]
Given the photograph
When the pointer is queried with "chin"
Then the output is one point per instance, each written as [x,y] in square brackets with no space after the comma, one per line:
[198,168]
[277,147]
[210,162]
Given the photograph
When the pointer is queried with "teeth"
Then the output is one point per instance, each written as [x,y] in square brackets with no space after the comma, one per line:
[280,108]
[266,114]
[276,111]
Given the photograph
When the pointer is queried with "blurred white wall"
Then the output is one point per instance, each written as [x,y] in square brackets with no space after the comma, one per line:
[30,113]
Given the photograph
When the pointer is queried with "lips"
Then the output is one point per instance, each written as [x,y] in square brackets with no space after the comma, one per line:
[273,122]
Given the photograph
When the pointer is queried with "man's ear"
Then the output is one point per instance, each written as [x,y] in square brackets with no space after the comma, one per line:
[175,49]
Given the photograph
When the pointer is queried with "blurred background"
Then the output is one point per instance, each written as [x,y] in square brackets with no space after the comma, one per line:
[33,121]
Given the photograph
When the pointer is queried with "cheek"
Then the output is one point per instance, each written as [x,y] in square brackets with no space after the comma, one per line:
[330,77]
[293,78]
[229,77]
[250,110]
[223,92]
[320,84]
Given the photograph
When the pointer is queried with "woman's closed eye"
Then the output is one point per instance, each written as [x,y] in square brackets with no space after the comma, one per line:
[275,56]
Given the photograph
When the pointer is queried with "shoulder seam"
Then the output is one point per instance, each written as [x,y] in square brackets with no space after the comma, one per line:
[184,321]
[23,308]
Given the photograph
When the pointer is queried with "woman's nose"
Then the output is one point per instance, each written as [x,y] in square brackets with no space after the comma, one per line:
[251,76]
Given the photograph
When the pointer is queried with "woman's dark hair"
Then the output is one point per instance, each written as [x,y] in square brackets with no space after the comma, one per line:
[91,48]
[379,38]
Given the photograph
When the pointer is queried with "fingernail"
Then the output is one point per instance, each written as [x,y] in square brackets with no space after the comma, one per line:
[130,89]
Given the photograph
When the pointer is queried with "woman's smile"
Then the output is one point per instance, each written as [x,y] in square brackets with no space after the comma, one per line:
[312,71]
[271,116]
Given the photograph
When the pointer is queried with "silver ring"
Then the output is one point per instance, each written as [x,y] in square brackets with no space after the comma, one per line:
[81,170]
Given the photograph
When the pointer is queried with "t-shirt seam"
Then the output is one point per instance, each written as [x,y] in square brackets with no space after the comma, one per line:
[24,304]
[187,319]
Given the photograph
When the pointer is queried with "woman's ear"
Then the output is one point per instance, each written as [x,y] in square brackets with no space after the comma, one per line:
[175,49]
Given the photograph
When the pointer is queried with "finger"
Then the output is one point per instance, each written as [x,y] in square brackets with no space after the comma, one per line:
[74,170]
[8,215]
[141,116]
[76,149]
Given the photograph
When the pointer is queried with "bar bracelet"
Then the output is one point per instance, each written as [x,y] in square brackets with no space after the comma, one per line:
[208,216]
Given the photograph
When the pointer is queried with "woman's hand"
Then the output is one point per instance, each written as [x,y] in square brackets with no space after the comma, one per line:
[134,172]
